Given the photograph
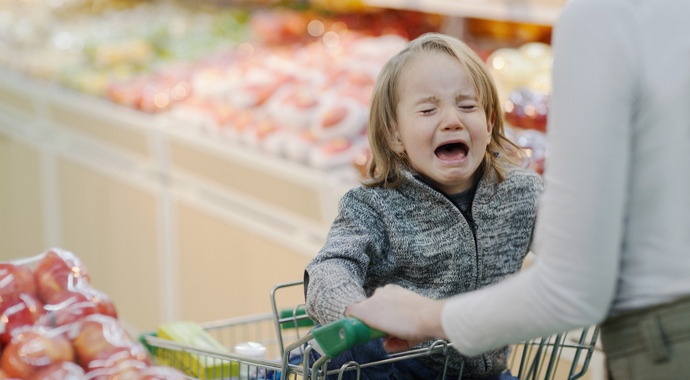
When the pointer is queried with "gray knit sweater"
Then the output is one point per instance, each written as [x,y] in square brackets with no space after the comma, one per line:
[415,237]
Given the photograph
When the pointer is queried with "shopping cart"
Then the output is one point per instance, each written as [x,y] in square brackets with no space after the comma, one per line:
[561,356]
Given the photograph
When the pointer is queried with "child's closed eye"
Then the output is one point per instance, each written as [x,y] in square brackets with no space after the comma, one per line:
[427,111]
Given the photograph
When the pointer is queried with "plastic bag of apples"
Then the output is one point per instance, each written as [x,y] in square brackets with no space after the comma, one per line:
[54,325]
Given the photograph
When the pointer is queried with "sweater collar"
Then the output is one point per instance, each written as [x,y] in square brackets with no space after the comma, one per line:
[483,186]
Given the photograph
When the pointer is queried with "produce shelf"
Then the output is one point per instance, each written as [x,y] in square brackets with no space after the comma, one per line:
[544,12]
[12,99]
[111,131]
[283,201]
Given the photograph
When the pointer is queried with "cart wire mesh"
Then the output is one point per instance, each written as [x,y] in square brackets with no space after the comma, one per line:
[286,338]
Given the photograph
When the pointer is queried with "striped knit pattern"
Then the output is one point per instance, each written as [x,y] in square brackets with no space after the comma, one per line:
[415,237]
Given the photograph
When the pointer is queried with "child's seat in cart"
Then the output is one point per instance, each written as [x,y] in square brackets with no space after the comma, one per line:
[288,338]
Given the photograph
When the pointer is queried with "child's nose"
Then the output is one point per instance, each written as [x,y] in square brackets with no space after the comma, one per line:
[451,122]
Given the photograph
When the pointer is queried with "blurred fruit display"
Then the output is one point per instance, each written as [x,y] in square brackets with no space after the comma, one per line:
[305,102]
[65,330]
[293,83]
[526,108]
[523,79]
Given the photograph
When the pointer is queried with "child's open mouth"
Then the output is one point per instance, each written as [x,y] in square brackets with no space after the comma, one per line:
[452,151]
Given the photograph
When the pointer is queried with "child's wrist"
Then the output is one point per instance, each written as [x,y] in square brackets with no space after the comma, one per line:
[431,320]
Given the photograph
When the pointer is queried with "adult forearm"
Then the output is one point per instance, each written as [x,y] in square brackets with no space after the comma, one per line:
[524,307]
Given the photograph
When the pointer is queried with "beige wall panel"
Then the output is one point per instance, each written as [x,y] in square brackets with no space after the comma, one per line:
[21,231]
[112,133]
[288,195]
[112,227]
[16,100]
[227,272]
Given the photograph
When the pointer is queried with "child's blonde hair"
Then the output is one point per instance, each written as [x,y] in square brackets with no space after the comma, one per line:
[385,166]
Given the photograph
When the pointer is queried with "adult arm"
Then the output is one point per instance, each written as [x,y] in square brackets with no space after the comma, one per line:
[580,222]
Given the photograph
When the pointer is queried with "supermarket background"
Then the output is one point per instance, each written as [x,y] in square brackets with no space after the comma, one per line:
[192,153]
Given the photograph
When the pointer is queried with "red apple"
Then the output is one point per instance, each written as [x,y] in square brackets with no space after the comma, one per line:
[61,371]
[301,99]
[68,307]
[101,337]
[9,300]
[57,271]
[334,116]
[33,350]
[125,369]
[103,303]
[135,356]
[25,312]
[15,279]
[527,109]
[336,145]
[5,376]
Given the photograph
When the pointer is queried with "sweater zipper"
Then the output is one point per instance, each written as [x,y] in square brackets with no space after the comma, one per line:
[472,226]
[473,229]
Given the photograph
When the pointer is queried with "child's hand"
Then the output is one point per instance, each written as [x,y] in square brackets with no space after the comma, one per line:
[393,344]
[407,317]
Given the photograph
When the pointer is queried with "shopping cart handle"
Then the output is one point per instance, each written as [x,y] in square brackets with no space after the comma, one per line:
[343,334]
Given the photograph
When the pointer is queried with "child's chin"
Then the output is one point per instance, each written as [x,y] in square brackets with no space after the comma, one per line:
[456,180]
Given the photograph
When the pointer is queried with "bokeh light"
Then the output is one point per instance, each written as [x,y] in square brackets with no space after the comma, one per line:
[331,39]
[339,27]
[161,100]
[245,50]
[315,28]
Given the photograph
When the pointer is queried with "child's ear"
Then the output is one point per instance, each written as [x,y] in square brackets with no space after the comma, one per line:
[492,121]
[396,142]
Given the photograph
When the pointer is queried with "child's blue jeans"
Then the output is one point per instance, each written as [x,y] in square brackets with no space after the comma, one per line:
[408,369]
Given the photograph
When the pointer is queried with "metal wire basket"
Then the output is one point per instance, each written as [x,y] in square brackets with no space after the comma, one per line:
[561,356]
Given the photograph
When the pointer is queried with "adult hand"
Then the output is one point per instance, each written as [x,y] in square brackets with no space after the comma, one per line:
[405,316]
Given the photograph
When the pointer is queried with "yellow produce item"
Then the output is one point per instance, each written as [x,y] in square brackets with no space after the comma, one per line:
[198,366]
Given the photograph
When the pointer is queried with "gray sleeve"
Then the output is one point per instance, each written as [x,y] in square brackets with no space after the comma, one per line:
[336,275]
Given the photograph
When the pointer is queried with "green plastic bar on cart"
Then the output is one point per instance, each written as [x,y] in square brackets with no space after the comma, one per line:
[342,335]
[292,314]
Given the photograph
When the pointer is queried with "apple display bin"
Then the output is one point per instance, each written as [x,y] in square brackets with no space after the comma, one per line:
[535,359]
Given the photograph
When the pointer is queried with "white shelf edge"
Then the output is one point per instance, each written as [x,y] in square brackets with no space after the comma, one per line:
[182,180]
[146,173]
[507,11]
[98,108]
[301,244]
[252,157]
[131,119]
